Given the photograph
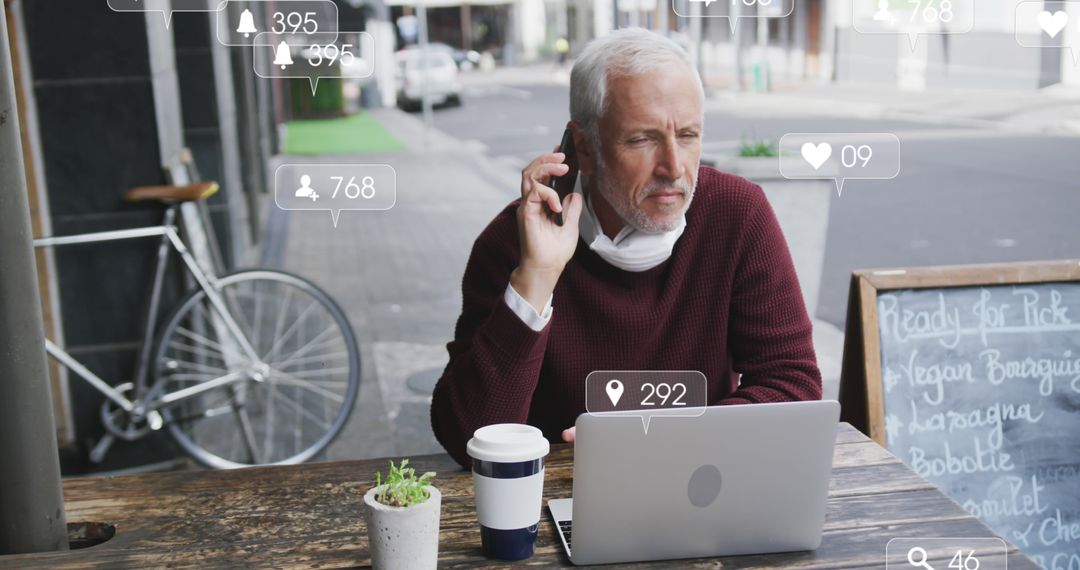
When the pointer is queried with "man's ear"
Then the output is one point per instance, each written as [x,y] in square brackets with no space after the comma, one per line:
[585,156]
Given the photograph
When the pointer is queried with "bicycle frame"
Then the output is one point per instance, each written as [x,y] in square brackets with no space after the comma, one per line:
[207,282]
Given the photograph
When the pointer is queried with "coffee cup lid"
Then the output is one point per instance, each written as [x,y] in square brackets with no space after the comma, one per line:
[508,443]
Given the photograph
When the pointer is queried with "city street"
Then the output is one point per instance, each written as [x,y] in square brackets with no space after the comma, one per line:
[965,194]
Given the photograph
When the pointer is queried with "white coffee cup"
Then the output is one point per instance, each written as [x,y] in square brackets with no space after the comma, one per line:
[508,478]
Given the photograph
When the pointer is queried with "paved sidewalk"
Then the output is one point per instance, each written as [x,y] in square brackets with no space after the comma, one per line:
[397,274]
[532,74]
[1054,110]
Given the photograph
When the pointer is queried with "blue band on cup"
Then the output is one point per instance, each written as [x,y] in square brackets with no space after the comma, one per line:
[507,470]
[510,545]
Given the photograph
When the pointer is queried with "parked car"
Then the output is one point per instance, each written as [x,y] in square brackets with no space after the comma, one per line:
[467,60]
[434,71]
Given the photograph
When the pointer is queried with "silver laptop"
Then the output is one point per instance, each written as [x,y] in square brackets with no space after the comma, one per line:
[735,480]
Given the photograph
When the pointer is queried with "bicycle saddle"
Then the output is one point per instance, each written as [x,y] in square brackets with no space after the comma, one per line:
[189,193]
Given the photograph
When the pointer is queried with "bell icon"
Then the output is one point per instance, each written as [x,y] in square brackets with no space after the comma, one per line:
[282,55]
[247,24]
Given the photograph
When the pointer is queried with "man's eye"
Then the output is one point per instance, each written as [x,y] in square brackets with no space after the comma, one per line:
[689,135]
[638,140]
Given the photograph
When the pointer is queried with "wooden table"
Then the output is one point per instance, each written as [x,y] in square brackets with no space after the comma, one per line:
[309,515]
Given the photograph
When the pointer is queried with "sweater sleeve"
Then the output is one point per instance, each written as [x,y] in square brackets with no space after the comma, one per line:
[495,358]
[770,335]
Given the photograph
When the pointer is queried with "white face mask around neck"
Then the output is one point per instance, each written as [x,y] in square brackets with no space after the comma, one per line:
[631,250]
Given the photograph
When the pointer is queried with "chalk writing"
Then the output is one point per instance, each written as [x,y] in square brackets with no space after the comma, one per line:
[991,416]
[980,394]
[1045,370]
[1037,315]
[935,375]
[1054,529]
[1008,497]
[906,324]
[980,461]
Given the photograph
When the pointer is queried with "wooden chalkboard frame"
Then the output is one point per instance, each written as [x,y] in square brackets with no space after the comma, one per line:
[861,399]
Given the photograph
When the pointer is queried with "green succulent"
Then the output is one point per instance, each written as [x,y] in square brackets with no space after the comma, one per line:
[402,488]
[757,148]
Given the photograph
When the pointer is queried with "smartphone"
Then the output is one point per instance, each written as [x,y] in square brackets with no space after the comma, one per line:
[565,184]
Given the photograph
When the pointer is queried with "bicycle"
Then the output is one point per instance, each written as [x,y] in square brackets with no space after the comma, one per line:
[256,367]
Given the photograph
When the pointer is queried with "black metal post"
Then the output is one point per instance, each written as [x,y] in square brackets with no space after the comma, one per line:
[31,500]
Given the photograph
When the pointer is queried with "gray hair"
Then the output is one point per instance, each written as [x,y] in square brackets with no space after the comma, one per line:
[624,53]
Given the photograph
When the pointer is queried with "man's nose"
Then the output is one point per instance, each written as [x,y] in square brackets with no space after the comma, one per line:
[669,165]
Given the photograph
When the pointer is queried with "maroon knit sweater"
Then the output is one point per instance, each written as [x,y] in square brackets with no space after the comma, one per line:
[727,302]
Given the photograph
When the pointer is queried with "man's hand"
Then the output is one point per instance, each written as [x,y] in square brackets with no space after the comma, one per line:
[569,434]
[546,247]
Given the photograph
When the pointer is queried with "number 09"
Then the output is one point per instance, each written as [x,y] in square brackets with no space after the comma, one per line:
[851,155]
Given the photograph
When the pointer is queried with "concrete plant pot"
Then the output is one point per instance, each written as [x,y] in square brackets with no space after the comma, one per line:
[403,538]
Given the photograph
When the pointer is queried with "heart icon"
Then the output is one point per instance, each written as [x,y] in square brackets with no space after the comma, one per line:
[1052,24]
[816,155]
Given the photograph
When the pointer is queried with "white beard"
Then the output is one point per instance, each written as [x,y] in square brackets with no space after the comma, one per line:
[629,209]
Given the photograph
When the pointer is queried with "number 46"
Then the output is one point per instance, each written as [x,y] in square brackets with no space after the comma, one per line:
[960,562]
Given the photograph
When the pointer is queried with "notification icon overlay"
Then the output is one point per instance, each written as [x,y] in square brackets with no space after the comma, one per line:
[946,553]
[913,18]
[661,393]
[1054,24]
[335,187]
[733,10]
[315,56]
[271,21]
[839,157]
[166,7]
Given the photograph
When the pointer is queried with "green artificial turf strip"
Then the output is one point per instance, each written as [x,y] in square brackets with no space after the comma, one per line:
[358,133]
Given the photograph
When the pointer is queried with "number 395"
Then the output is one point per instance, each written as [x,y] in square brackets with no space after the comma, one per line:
[331,53]
[298,22]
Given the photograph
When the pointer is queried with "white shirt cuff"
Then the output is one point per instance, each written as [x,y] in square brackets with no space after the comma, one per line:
[528,315]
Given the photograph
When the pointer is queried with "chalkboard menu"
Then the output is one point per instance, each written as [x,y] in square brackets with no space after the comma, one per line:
[977,389]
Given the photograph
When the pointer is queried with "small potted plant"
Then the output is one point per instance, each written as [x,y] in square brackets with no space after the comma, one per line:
[402,516]
[757,159]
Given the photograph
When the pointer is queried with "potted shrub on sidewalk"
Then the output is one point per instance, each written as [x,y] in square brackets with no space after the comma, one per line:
[402,516]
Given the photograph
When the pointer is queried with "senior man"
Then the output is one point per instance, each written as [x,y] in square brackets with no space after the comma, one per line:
[679,267]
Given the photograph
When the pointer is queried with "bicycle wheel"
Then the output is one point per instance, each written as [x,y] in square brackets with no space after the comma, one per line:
[282,408]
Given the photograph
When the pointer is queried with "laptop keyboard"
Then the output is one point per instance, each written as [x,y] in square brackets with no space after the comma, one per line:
[564,530]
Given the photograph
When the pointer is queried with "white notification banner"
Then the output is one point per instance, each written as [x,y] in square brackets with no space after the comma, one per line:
[961,553]
[315,56]
[660,393]
[246,20]
[734,10]
[839,157]
[335,187]
[913,18]
[1053,24]
[166,7]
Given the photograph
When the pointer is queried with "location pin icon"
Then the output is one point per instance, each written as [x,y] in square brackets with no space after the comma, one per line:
[614,391]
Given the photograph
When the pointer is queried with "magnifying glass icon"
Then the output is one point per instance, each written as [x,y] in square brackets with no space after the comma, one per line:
[917,557]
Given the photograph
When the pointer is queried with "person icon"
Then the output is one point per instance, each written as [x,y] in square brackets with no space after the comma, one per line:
[883,14]
[305,190]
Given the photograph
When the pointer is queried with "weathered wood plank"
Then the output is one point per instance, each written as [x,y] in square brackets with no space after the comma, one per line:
[310,516]
[847,434]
